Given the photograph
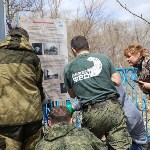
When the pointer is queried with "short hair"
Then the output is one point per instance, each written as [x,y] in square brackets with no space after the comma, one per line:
[79,43]
[59,114]
[19,31]
[134,49]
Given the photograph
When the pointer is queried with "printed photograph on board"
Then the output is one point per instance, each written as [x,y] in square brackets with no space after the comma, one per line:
[38,48]
[63,88]
[51,48]
[50,74]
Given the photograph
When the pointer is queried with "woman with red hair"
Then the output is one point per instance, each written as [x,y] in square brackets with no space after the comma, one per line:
[139,57]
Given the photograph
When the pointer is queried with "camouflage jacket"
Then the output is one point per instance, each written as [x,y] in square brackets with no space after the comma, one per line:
[143,65]
[65,136]
[20,82]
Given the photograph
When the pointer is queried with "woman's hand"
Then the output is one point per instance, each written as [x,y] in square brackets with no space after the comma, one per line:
[144,85]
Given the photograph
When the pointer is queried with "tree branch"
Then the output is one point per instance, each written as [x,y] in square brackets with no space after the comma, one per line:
[132,12]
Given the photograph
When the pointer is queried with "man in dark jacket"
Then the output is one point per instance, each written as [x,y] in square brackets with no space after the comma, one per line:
[63,135]
[21,93]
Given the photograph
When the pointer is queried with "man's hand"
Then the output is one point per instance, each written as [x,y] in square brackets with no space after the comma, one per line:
[116,79]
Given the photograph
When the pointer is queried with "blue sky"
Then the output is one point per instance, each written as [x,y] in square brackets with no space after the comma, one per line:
[112,7]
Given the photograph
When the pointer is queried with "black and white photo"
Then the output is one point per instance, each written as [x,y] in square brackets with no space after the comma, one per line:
[38,48]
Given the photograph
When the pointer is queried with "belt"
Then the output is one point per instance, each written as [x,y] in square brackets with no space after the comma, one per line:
[99,104]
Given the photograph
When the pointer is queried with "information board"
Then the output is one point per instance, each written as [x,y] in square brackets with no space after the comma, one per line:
[49,39]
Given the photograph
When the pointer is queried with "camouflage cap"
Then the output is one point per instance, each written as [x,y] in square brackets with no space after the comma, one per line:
[19,31]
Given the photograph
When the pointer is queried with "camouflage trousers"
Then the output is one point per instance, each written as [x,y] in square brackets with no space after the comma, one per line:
[20,137]
[108,120]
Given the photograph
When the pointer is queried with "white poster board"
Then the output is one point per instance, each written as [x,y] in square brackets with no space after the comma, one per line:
[49,39]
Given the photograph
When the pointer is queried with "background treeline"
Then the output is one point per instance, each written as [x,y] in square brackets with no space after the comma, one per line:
[104,33]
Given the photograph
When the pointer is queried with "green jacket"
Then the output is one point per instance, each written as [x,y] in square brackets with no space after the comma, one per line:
[20,82]
[65,136]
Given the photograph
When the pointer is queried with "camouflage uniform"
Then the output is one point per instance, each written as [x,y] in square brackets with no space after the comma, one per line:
[143,72]
[108,120]
[143,65]
[64,136]
[89,75]
[20,94]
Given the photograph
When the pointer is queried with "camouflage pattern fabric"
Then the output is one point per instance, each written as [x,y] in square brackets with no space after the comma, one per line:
[20,82]
[30,142]
[64,136]
[143,72]
[143,65]
[7,143]
[21,137]
[109,120]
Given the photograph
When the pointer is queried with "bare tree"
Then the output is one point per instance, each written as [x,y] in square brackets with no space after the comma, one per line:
[47,8]
[54,8]
[15,6]
[87,21]
[104,35]
[141,17]
[41,7]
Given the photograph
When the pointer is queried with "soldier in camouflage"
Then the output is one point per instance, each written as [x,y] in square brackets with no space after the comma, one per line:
[63,135]
[92,77]
[21,93]
[139,58]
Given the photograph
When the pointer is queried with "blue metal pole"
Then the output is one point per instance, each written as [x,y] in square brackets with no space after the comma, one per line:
[2,21]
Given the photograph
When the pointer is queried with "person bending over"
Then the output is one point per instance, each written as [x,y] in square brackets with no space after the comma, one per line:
[135,123]
[92,77]
[62,135]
